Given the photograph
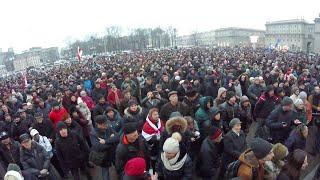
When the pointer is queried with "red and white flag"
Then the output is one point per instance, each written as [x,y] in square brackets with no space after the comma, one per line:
[79,53]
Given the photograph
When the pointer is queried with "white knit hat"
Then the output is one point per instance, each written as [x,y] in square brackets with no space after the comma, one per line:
[171,145]
[33,132]
[298,102]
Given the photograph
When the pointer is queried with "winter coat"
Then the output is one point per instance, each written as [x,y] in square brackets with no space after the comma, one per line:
[72,151]
[254,92]
[234,145]
[184,173]
[203,113]
[75,128]
[100,109]
[210,158]
[20,128]
[219,100]
[111,98]
[116,122]
[211,89]
[126,151]
[109,147]
[295,141]
[300,114]
[89,102]
[45,110]
[11,155]
[56,116]
[168,108]
[45,128]
[250,168]
[34,160]
[265,106]
[228,111]
[193,105]
[138,116]
[97,93]
[275,120]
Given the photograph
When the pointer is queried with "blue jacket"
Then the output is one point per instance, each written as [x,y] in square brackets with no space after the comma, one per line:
[295,141]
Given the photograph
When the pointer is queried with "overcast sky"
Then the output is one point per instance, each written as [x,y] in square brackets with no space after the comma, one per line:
[28,23]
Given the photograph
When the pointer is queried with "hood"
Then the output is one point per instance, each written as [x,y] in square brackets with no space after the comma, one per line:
[220,91]
[176,121]
[204,100]
[213,111]
[249,159]
[127,112]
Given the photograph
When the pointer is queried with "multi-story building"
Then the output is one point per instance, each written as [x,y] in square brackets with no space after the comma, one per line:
[197,39]
[206,38]
[295,34]
[25,60]
[234,36]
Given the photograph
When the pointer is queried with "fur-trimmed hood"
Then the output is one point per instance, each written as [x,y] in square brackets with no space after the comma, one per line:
[176,121]
[127,113]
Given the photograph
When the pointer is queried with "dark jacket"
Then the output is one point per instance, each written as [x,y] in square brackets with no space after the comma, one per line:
[34,160]
[139,116]
[109,147]
[20,127]
[168,108]
[228,111]
[254,92]
[234,145]
[116,122]
[72,151]
[11,155]
[192,106]
[295,141]
[284,176]
[98,92]
[210,157]
[275,120]
[75,128]
[100,109]
[265,106]
[45,128]
[184,173]
[126,151]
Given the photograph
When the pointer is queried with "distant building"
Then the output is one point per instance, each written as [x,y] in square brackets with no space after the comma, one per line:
[25,60]
[296,34]
[184,41]
[234,36]
[197,39]
[206,38]
[3,69]
[50,54]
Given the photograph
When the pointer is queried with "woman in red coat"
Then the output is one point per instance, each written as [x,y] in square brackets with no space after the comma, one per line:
[114,96]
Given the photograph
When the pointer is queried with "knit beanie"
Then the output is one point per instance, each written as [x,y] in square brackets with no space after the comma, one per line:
[298,102]
[61,125]
[230,94]
[214,133]
[260,147]
[135,167]
[303,95]
[171,145]
[286,101]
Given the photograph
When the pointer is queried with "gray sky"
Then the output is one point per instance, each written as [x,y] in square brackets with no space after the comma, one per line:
[27,23]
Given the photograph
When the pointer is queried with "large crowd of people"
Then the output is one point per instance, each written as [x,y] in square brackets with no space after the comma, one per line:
[196,113]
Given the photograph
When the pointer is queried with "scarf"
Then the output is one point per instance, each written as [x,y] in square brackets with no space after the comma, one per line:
[150,129]
[172,164]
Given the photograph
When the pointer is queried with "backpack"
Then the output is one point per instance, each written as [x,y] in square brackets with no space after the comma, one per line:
[232,170]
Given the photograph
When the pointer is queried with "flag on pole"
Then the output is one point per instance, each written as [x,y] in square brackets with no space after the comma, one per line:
[79,53]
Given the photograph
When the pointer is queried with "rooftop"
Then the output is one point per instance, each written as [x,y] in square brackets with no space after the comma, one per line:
[239,28]
[288,21]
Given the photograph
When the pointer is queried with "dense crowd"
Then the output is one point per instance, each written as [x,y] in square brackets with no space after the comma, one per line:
[222,113]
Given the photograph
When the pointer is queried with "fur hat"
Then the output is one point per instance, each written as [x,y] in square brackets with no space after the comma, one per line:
[280,151]
[176,124]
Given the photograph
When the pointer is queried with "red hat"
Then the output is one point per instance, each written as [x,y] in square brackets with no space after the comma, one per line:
[214,133]
[135,167]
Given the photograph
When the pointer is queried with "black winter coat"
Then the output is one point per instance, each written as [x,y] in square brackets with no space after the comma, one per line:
[210,157]
[72,151]
[11,155]
[234,145]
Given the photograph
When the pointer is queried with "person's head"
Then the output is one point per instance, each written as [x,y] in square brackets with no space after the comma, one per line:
[62,129]
[235,125]
[35,135]
[149,80]
[256,80]
[171,146]
[130,131]
[67,119]
[133,105]
[38,117]
[286,104]
[73,98]
[262,149]
[165,78]
[231,97]
[173,97]
[23,113]
[154,114]
[83,93]
[190,122]
[270,90]
[102,100]
[209,104]
[110,113]
[101,122]
[7,118]
[303,96]
[135,167]
[295,91]
[97,85]
[297,161]
[299,104]
[245,102]
[280,151]
[215,114]
[215,134]
[317,90]
[13,172]
[127,94]
[56,106]
[302,130]
[4,138]
[25,141]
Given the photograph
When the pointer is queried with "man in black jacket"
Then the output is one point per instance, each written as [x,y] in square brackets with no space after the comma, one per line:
[234,142]
[210,155]
[9,150]
[230,108]
[173,106]
[131,145]
[104,139]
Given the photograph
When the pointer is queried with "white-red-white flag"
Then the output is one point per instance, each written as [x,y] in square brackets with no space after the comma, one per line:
[79,53]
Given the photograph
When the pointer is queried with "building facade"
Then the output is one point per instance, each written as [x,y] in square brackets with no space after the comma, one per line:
[234,36]
[295,35]
[25,60]
[206,38]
